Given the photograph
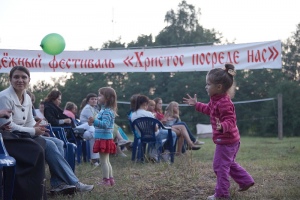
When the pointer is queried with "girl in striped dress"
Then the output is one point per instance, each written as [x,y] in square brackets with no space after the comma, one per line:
[104,125]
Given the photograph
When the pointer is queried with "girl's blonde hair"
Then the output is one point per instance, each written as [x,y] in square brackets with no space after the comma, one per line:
[169,112]
[110,97]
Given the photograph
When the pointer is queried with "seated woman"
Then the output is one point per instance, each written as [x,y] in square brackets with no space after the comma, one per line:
[63,180]
[141,111]
[30,165]
[53,113]
[172,118]
[179,128]
[89,109]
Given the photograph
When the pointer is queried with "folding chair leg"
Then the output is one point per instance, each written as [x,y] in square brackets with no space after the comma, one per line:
[84,158]
[79,150]
[87,149]
[8,177]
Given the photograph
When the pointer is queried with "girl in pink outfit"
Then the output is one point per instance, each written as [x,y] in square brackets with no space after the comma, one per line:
[220,87]
[70,109]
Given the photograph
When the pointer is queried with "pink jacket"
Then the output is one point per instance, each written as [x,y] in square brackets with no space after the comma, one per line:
[221,107]
[69,114]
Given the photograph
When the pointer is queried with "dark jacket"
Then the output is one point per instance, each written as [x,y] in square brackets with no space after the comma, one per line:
[53,114]
[30,165]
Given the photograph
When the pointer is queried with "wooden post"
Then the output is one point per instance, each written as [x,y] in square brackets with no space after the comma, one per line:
[280,126]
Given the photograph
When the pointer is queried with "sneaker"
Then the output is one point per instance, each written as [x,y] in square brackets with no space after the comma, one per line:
[94,162]
[63,189]
[166,156]
[123,142]
[112,181]
[105,182]
[153,155]
[212,197]
[122,154]
[129,146]
[194,148]
[197,142]
[245,188]
[81,187]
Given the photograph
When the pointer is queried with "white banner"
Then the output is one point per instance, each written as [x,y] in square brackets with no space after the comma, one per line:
[194,58]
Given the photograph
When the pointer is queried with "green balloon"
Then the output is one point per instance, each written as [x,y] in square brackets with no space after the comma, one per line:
[53,44]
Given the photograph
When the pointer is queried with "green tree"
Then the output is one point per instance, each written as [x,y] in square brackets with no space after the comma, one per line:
[291,56]
[4,81]
[261,118]
[142,41]
[113,44]
[40,91]
[289,84]
[184,28]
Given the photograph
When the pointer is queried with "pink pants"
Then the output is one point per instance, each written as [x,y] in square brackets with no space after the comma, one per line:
[224,165]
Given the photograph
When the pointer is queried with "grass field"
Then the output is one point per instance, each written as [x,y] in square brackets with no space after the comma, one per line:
[274,165]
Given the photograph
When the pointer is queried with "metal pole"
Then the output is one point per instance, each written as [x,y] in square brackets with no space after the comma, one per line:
[280,126]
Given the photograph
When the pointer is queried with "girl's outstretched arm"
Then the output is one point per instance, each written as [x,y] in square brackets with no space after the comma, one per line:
[189,100]
[200,107]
